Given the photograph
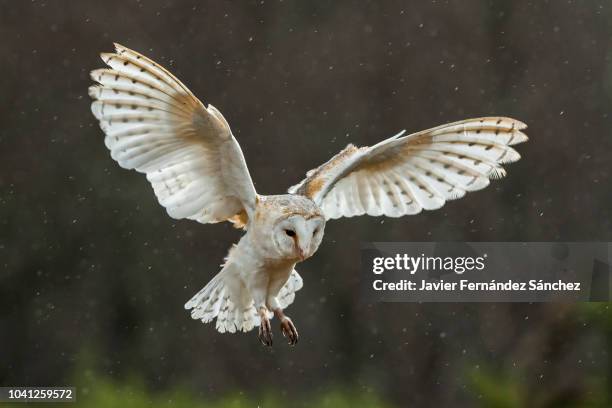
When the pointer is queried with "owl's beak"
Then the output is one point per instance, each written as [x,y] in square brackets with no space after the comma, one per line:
[302,241]
[302,255]
[302,250]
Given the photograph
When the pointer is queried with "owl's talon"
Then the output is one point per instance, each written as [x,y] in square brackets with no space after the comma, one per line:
[288,329]
[265,331]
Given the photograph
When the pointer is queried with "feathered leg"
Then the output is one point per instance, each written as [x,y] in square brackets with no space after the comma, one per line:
[258,285]
[280,294]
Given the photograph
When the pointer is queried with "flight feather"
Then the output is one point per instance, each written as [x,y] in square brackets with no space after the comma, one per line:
[155,125]
[405,174]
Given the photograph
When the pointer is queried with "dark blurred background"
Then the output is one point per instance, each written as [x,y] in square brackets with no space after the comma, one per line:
[94,274]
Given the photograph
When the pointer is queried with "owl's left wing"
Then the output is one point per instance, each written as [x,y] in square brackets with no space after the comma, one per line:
[405,174]
[155,125]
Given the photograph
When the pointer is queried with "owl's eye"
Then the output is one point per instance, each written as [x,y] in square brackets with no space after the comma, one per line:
[315,231]
[289,232]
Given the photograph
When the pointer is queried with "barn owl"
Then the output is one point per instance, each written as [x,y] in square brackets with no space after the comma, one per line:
[155,125]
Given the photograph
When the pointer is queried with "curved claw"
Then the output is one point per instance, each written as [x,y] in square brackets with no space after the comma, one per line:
[265,332]
[289,331]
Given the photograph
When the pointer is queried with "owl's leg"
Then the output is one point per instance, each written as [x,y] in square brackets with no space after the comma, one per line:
[257,285]
[286,324]
[287,327]
[265,328]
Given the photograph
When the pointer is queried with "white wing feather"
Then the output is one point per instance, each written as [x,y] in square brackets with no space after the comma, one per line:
[405,174]
[155,125]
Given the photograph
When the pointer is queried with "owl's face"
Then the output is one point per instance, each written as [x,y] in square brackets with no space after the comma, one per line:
[298,237]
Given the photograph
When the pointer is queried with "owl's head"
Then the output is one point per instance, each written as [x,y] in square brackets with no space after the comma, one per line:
[298,236]
[295,226]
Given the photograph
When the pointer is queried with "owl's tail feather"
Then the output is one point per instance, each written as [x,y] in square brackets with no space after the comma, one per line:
[224,301]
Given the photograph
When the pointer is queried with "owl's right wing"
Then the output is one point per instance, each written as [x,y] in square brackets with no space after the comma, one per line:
[155,125]
[405,174]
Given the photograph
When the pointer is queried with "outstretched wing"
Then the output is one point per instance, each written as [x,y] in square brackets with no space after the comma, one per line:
[405,174]
[155,125]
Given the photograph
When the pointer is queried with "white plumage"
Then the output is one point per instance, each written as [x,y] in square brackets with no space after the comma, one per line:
[405,174]
[155,125]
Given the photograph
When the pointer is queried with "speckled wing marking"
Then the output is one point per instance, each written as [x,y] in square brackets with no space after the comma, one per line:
[155,125]
[405,174]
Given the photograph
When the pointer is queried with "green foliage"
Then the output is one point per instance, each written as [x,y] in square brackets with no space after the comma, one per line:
[598,312]
[496,391]
[99,392]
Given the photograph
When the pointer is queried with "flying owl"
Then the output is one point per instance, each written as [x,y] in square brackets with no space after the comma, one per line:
[155,125]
